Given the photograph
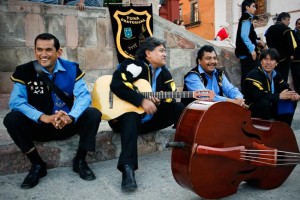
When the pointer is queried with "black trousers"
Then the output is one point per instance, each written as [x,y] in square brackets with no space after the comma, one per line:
[295,69]
[247,64]
[283,68]
[264,109]
[24,131]
[129,125]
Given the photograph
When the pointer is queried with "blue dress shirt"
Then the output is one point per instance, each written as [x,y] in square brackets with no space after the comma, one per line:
[194,83]
[19,99]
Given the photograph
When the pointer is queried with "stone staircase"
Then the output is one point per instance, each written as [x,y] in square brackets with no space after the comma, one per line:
[61,153]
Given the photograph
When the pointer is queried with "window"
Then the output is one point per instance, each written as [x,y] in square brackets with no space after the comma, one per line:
[194,12]
[260,7]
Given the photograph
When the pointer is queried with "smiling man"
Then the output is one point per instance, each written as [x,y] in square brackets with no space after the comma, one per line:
[206,76]
[149,64]
[38,114]
[266,93]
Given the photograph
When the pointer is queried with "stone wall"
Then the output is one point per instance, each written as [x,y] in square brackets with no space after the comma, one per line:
[86,37]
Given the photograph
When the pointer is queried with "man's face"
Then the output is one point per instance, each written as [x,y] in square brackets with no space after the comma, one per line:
[298,25]
[268,64]
[208,62]
[251,9]
[157,57]
[286,21]
[46,53]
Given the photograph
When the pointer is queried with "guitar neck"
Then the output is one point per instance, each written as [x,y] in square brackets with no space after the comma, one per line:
[165,95]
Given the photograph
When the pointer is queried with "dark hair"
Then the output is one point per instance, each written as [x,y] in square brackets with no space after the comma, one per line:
[283,16]
[205,48]
[150,44]
[246,3]
[48,36]
[297,21]
[273,53]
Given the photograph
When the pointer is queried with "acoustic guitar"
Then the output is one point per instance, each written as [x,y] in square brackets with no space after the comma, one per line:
[112,106]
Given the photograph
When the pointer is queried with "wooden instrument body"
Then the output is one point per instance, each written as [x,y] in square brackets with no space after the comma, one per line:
[111,106]
[223,125]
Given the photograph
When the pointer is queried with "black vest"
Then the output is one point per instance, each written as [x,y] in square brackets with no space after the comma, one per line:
[187,101]
[241,48]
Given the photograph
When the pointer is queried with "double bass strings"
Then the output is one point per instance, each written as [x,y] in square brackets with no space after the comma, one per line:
[271,157]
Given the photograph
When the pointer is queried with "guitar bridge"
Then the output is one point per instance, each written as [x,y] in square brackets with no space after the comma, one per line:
[110,100]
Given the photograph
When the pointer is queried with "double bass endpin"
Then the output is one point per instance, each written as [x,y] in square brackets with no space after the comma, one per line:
[175,144]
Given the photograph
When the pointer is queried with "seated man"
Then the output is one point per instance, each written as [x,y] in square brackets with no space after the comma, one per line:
[159,113]
[39,114]
[265,89]
[82,3]
[206,76]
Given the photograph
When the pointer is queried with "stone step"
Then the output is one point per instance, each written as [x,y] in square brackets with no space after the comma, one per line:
[61,153]
[4,98]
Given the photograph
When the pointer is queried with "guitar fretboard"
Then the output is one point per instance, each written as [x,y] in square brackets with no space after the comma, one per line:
[164,95]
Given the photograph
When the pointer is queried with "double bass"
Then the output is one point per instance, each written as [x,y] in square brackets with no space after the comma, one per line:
[219,145]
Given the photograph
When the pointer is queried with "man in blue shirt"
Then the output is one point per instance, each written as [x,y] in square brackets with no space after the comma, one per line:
[206,76]
[246,40]
[38,114]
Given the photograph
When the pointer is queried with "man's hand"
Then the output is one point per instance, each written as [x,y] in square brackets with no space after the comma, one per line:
[148,106]
[80,5]
[238,101]
[254,55]
[287,95]
[156,101]
[59,120]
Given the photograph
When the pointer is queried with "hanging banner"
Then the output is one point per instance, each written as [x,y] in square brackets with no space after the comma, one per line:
[130,26]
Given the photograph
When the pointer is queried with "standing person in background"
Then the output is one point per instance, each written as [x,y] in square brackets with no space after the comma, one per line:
[280,37]
[223,33]
[295,65]
[246,40]
[80,4]
[38,113]
[261,46]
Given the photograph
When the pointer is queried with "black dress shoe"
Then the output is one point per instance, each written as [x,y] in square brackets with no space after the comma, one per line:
[128,178]
[81,167]
[32,179]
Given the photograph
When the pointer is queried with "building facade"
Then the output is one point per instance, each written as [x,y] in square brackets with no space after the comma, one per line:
[204,17]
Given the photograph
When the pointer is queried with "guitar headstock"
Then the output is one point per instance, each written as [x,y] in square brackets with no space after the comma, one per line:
[204,95]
